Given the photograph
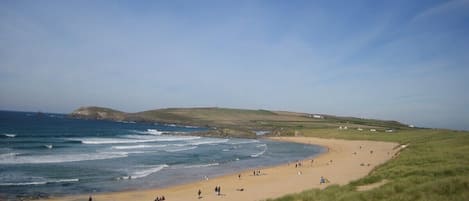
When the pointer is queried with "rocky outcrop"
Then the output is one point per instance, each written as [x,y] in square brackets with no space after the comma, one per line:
[99,113]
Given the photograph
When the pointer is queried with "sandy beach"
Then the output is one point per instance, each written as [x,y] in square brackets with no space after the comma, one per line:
[344,161]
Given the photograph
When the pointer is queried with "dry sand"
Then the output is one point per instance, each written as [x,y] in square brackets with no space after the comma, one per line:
[275,181]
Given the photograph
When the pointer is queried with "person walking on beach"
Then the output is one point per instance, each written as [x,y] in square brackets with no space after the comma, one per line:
[199,193]
[219,190]
[322,180]
[216,190]
[90,199]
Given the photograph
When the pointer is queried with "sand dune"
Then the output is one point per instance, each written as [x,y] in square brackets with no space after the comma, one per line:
[339,165]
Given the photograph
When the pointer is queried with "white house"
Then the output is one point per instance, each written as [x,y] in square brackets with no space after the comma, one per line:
[317,116]
[373,130]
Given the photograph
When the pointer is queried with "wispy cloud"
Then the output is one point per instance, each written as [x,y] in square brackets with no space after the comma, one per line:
[447,7]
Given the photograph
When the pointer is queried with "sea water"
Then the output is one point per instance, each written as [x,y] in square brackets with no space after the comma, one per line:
[52,154]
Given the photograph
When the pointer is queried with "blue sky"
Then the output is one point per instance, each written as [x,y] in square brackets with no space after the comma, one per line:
[400,60]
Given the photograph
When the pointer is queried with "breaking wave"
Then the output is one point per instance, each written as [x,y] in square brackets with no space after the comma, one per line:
[149,132]
[202,165]
[9,135]
[181,149]
[144,171]
[40,182]
[210,141]
[140,146]
[15,158]
[260,153]
[244,142]
[132,139]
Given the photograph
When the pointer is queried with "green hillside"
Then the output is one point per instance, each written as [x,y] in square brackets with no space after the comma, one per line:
[237,122]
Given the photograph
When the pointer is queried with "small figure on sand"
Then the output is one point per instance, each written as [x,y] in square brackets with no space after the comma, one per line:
[217,190]
[90,199]
[371,151]
[322,180]
[199,193]
[239,176]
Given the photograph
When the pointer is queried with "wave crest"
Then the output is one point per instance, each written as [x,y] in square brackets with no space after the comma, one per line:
[9,135]
[260,153]
[202,165]
[15,158]
[144,171]
[40,182]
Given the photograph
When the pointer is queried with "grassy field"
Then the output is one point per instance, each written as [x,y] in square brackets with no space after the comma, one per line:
[434,166]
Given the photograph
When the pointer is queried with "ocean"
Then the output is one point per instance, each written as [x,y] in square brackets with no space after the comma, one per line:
[51,154]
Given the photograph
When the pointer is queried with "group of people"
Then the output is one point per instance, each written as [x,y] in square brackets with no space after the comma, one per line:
[298,164]
[256,172]
[217,190]
[160,198]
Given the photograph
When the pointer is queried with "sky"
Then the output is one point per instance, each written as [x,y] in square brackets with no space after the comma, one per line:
[393,60]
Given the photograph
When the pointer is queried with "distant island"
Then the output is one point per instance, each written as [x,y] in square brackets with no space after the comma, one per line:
[228,122]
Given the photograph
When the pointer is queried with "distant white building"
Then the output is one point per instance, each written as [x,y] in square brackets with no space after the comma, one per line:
[389,131]
[373,130]
[317,116]
[360,129]
[411,126]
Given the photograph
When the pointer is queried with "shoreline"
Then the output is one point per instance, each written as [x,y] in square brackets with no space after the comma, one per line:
[338,164]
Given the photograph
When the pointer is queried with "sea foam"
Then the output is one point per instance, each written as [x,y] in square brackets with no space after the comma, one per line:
[201,165]
[40,182]
[9,135]
[132,139]
[260,153]
[15,158]
[143,171]
[181,149]
[140,146]
[209,141]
